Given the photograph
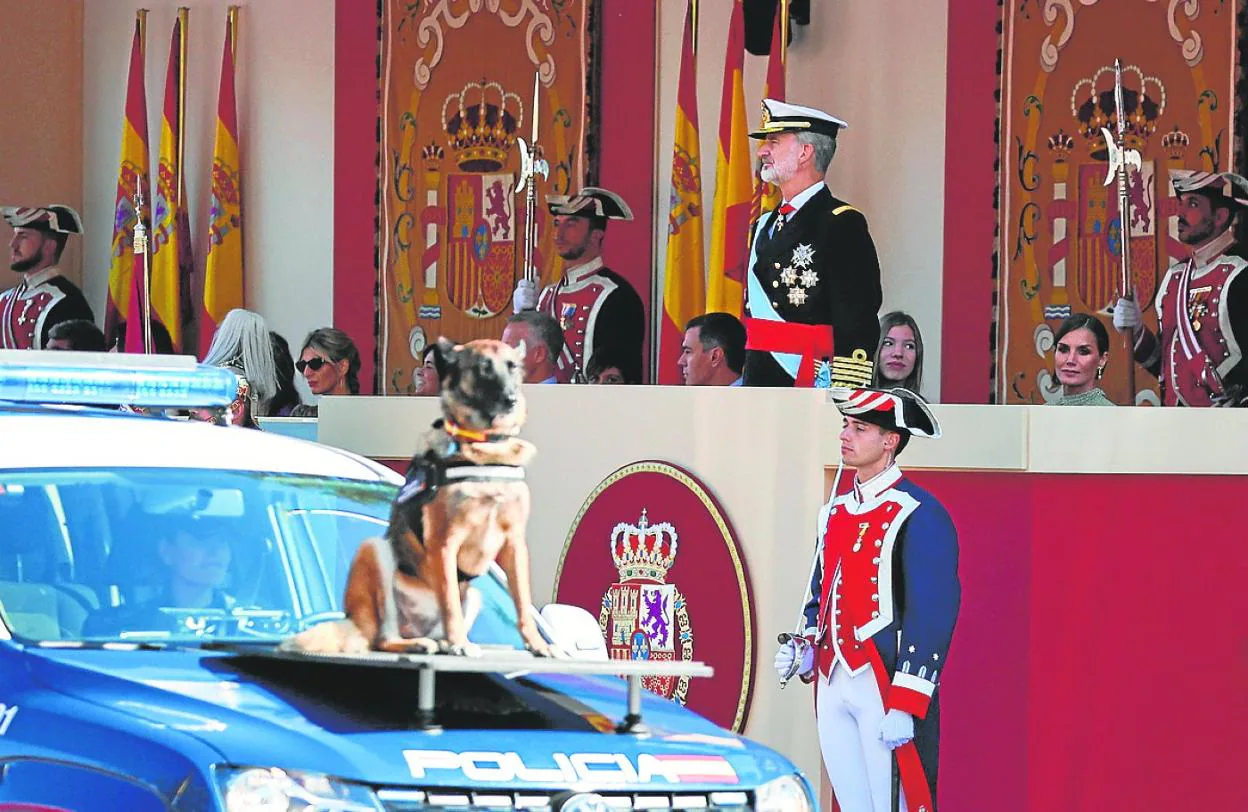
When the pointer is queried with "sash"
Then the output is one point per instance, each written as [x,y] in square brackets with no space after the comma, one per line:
[807,344]
[760,305]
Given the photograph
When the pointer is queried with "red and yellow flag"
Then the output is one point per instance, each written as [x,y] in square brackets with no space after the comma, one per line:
[132,180]
[223,269]
[730,219]
[171,241]
[767,195]
[684,284]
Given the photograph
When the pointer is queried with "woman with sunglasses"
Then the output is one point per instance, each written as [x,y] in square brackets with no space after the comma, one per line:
[330,362]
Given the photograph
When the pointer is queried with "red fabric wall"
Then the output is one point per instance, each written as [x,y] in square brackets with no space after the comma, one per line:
[1100,648]
[356,50]
[970,217]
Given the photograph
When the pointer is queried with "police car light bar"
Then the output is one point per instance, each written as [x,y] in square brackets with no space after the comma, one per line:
[110,379]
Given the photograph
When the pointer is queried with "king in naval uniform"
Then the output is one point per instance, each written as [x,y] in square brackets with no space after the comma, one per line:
[879,614]
[594,305]
[813,289]
[45,297]
[1202,302]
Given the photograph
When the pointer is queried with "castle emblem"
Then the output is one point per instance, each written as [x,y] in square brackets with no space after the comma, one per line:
[642,616]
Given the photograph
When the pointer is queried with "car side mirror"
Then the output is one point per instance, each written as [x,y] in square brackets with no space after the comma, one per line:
[575,631]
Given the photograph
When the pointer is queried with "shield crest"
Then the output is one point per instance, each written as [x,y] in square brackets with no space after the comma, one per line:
[480,243]
[642,617]
[1101,236]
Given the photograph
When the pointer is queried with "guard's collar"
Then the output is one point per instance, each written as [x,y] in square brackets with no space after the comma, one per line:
[870,490]
[33,280]
[1214,248]
[577,273]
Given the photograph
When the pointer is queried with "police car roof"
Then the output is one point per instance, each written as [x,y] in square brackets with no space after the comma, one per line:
[38,437]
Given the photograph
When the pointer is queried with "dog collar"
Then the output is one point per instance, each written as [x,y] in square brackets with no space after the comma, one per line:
[465,435]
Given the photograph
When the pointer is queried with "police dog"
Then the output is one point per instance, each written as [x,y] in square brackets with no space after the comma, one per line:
[464,506]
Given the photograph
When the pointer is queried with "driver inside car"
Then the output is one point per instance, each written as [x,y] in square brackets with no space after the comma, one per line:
[195,560]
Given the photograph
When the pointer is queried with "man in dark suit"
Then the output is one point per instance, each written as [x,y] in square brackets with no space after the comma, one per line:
[813,290]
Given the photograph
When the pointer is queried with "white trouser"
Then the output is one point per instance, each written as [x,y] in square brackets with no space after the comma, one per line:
[848,711]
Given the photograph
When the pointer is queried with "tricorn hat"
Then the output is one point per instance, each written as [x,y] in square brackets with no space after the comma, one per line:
[896,409]
[782,117]
[1227,185]
[591,201]
[55,218]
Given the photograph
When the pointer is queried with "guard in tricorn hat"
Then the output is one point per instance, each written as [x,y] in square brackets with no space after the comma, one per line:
[879,614]
[1197,353]
[44,297]
[813,286]
[594,305]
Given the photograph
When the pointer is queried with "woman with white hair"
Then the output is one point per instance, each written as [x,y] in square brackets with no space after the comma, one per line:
[242,344]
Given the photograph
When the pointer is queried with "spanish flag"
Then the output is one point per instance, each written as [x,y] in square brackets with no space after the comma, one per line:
[132,180]
[684,282]
[730,221]
[767,195]
[171,241]
[223,269]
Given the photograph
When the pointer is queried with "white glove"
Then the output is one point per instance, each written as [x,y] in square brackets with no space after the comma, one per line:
[525,296]
[791,651]
[1126,315]
[896,729]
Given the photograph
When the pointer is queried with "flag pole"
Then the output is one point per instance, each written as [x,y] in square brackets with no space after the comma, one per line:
[183,17]
[693,11]
[784,35]
[141,257]
[140,230]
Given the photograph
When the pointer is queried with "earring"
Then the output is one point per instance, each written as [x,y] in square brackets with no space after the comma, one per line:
[1100,372]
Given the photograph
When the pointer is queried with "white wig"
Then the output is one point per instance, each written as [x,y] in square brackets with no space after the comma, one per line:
[242,341]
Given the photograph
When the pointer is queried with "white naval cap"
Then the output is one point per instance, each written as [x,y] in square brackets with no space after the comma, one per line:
[782,117]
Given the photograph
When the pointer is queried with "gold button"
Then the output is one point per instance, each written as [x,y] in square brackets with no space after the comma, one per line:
[879,544]
[775,284]
[773,304]
[777,266]
[875,614]
[874,580]
[875,598]
[875,560]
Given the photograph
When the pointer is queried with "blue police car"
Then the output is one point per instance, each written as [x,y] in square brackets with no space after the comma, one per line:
[149,568]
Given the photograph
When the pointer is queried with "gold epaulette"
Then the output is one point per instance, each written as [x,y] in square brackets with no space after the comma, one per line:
[852,371]
[842,209]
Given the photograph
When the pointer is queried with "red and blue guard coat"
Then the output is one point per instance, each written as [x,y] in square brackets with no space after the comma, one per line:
[596,307]
[1202,310]
[29,311]
[885,584]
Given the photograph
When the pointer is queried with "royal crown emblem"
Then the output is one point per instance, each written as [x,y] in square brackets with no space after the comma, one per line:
[482,122]
[643,617]
[1092,105]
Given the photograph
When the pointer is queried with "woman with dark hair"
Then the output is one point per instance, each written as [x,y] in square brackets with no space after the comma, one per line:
[425,376]
[287,397]
[899,355]
[1081,350]
[609,365]
[330,362]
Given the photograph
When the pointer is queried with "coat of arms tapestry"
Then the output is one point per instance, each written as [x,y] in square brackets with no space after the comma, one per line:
[1061,237]
[457,93]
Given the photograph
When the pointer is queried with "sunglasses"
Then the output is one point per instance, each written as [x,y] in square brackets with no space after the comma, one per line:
[314,364]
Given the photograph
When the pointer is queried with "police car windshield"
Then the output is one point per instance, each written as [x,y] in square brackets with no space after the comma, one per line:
[177,555]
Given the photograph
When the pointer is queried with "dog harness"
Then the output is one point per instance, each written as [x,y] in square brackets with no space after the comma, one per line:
[431,471]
